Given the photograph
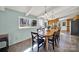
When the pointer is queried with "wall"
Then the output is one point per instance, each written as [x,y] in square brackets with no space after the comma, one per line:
[67,27]
[75,25]
[50,22]
[9,24]
[63,28]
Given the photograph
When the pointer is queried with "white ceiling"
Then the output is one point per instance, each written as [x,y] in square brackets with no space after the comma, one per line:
[52,11]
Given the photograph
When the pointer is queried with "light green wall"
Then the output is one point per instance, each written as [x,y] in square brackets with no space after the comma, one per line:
[9,24]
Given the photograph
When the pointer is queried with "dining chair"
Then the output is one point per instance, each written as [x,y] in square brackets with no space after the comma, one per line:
[51,40]
[56,38]
[41,32]
[41,37]
[36,38]
[58,35]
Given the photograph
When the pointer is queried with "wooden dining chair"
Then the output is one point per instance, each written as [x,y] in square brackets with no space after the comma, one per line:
[52,40]
[58,35]
[41,32]
[36,38]
[41,37]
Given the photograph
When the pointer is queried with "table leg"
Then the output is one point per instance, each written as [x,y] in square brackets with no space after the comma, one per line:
[7,43]
[46,43]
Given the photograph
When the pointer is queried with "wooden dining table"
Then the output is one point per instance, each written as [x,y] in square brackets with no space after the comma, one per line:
[48,34]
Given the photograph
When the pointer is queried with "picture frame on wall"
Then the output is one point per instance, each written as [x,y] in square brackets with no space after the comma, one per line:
[34,23]
[26,23]
[64,24]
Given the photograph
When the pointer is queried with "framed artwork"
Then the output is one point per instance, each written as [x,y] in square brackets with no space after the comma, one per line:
[34,23]
[63,23]
[27,23]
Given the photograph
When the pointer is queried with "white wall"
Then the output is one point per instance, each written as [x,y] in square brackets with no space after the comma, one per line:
[61,25]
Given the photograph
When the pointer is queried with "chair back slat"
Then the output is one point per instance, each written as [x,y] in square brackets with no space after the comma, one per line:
[34,36]
[40,31]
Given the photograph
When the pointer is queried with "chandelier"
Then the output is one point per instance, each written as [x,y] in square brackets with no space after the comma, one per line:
[45,14]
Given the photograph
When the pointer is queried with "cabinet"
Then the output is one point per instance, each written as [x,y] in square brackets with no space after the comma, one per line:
[75,27]
[4,37]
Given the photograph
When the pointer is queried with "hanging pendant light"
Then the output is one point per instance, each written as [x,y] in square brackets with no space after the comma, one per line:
[46,16]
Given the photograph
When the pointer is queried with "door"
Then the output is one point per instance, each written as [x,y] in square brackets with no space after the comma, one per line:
[74,27]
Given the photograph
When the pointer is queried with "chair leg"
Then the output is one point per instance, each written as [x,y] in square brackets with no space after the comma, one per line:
[7,44]
[58,40]
[55,42]
[44,44]
[32,45]
[53,45]
[38,49]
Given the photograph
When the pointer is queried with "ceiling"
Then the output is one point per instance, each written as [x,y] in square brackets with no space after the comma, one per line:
[51,11]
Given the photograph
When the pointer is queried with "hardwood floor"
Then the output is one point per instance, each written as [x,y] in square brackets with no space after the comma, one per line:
[21,46]
[67,43]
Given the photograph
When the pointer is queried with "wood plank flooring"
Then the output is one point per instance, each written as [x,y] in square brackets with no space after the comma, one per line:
[67,43]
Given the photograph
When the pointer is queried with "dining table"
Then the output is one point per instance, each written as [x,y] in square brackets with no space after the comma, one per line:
[47,35]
